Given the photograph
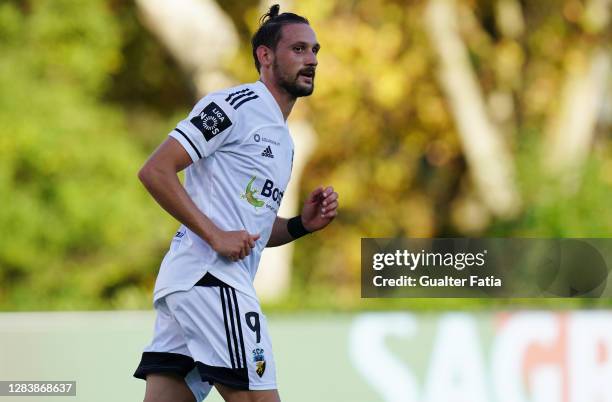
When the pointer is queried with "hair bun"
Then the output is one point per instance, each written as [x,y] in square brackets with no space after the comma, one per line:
[274,11]
[270,15]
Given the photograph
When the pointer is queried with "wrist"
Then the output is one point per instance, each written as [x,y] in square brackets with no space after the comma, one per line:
[296,228]
[211,235]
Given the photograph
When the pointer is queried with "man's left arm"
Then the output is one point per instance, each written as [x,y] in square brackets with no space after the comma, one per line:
[318,211]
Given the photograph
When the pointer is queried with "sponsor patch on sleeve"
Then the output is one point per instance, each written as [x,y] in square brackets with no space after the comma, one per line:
[211,121]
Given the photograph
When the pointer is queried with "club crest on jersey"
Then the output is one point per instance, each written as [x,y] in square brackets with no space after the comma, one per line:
[259,360]
[211,121]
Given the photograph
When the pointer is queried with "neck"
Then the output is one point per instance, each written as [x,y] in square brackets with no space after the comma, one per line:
[283,98]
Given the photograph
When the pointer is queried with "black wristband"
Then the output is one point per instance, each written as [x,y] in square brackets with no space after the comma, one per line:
[296,227]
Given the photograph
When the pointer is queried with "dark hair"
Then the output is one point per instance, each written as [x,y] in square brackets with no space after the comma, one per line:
[270,29]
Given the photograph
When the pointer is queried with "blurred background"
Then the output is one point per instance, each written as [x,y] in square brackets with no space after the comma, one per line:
[432,118]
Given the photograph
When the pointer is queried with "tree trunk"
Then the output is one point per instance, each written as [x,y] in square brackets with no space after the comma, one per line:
[571,130]
[489,160]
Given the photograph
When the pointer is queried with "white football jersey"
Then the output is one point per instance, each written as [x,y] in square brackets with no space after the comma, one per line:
[242,156]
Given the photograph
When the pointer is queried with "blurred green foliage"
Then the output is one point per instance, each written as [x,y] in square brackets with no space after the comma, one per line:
[78,231]
[87,93]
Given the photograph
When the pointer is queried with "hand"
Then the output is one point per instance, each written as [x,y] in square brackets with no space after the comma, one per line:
[234,245]
[320,209]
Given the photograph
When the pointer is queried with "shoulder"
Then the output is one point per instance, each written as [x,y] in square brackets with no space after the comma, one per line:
[237,97]
[231,100]
[240,106]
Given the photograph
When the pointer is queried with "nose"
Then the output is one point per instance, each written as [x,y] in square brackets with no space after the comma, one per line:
[312,59]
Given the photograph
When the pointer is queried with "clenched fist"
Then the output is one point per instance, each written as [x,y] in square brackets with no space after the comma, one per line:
[234,245]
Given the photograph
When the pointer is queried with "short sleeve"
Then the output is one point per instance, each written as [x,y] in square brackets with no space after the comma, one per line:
[208,126]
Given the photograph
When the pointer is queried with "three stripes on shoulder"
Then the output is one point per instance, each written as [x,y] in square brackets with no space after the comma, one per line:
[239,98]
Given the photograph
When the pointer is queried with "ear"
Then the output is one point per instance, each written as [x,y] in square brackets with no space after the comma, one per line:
[265,55]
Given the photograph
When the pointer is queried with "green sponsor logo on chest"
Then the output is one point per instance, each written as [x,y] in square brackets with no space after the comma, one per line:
[249,195]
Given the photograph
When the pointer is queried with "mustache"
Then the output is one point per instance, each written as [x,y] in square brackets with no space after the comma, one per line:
[307,71]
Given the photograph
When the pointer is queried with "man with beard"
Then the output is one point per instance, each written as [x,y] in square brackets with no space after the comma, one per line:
[238,155]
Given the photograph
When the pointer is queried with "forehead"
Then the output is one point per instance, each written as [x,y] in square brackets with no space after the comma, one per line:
[292,33]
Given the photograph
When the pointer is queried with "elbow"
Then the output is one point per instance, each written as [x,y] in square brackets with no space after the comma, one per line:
[155,173]
[145,175]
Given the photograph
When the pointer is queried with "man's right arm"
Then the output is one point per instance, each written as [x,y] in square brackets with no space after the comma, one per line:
[160,177]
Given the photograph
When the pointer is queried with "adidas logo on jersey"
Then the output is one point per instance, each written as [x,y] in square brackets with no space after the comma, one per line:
[267,152]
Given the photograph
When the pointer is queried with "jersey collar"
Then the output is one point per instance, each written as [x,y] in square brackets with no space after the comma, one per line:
[269,98]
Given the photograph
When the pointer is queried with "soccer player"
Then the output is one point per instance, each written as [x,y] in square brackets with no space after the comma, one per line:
[238,155]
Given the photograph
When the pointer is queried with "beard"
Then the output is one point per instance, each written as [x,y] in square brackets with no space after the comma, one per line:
[291,85]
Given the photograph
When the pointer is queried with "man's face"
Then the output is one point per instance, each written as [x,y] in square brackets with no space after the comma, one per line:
[295,59]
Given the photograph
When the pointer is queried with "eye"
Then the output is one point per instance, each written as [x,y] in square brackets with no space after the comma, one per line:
[298,49]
